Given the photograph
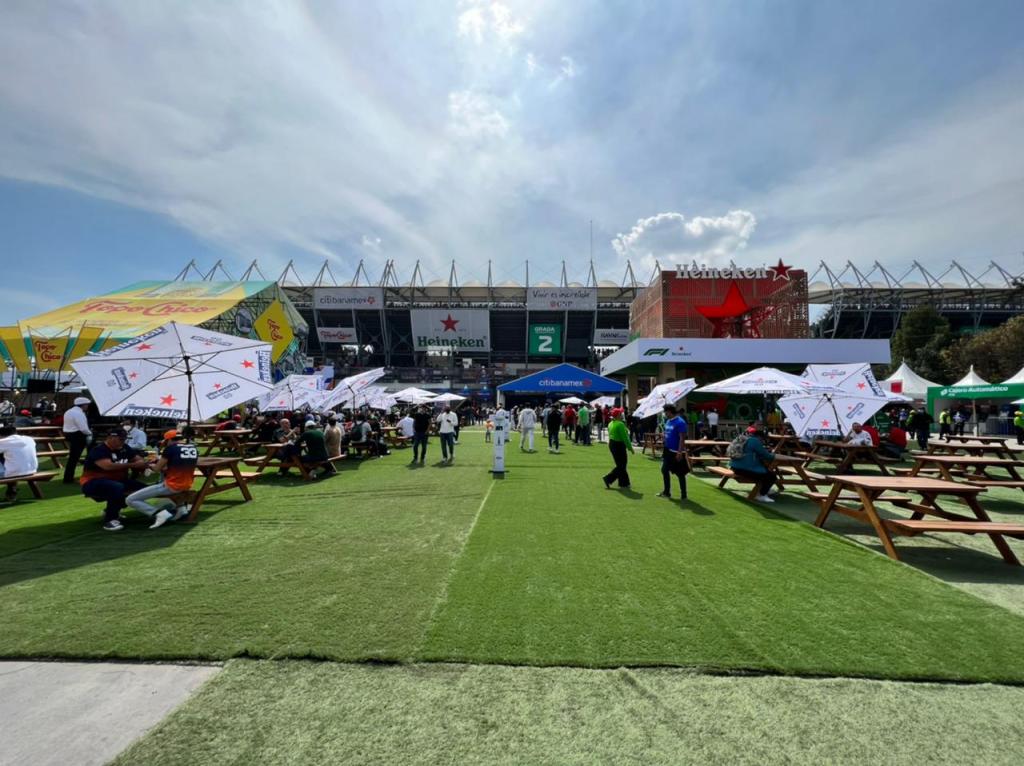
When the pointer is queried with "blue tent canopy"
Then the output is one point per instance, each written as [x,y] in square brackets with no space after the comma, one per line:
[560,379]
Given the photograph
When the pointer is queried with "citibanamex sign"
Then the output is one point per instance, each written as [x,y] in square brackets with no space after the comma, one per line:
[328,298]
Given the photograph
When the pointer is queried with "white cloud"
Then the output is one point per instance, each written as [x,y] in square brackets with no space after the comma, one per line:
[473,116]
[371,244]
[568,67]
[486,22]
[671,237]
[532,65]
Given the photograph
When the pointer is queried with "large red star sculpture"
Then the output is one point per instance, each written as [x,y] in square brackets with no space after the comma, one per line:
[168,400]
[780,271]
[734,317]
[449,323]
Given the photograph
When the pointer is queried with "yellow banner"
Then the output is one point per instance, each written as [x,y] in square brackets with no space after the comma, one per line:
[49,352]
[15,345]
[272,326]
[87,337]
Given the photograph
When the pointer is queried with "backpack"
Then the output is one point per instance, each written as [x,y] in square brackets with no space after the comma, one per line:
[736,447]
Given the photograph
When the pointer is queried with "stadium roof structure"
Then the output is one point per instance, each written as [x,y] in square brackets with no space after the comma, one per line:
[415,287]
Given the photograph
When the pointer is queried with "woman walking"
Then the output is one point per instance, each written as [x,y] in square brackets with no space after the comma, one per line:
[618,443]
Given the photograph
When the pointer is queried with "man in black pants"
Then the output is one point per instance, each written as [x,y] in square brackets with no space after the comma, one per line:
[420,433]
[618,444]
[673,455]
[554,425]
[76,433]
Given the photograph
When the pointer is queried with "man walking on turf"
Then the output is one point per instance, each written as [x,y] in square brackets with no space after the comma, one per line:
[673,456]
[618,443]
[447,422]
[77,433]
[420,434]
[554,426]
[527,424]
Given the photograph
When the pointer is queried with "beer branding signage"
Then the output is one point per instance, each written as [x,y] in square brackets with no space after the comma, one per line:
[461,330]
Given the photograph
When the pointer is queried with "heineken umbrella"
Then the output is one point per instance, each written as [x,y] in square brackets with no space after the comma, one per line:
[176,371]
[443,398]
[855,378]
[346,388]
[763,380]
[604,401]
[572,400]
[829,413]
[666,393]
[292,393]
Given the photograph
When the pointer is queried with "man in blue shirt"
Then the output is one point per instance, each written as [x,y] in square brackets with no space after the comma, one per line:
[673,456]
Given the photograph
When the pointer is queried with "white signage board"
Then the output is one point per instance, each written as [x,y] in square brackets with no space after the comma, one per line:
[561,299]
[609,337]
[345,335]
[461,330]
[345,298]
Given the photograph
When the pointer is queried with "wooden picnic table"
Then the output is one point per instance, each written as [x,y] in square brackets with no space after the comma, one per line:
[973,438]
[946,464]
[50,446]
[784,468]
[869,490]
[221,474]
[37,431]
[652,441]
[998,449]
[230,439]
[855,454]
[714,446]
[785,444]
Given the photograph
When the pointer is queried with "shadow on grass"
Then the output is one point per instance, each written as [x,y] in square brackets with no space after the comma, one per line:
[956,563]
[73,544]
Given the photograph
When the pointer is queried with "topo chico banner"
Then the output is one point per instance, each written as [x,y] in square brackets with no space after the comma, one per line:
[461,330]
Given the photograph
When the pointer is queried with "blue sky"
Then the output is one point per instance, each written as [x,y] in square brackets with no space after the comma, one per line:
[137,136]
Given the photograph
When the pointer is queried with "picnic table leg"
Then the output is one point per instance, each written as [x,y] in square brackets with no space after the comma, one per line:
[826,507]
[997,539]
[806,478]
[208,484]
[879,463]
[242,484]
[867,500]
[34,487]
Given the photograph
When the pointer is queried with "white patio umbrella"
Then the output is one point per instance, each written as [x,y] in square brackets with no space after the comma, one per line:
[666,393]
[447,398]
[572,400]
[829,413]
[604,401]
[176,371]
[763,380]
[346,388]
[292,393]
[856,378]
[414,395]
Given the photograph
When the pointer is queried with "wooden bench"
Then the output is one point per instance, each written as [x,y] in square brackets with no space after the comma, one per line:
[1009,483]
[32,480]
[54,455]
[820,497]
[728,474]
[912,527]
[397,440]
[818,458]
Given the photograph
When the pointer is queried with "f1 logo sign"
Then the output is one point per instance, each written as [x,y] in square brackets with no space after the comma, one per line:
[656,352]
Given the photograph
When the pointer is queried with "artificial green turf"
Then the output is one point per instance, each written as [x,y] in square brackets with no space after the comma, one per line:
[302,712]
[348,567]
[560,571]
[369,565]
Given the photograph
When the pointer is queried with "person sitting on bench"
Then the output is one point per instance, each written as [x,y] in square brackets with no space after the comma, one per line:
[18,454]
[315,445]
[749,460]
[859,437]
[106,476]
[177,464]
[362,435]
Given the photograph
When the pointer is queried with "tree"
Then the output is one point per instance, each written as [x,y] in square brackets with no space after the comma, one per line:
[996,354]
[921,338]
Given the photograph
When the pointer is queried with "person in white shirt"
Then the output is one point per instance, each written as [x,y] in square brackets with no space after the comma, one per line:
[859,437]
[544,420]
[527,424]
[713,424]
[77,434]
[407,426]
[19,454]
[446,423]
[136,437]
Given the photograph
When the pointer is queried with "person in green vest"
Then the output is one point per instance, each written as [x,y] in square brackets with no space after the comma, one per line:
[618,443]
[1018,424]
[946,424]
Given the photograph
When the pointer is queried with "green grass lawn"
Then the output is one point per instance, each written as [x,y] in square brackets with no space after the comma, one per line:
[388,562]
[300,712]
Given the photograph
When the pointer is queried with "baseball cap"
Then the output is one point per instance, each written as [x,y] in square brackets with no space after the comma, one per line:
[236,417]
[82,400]
[25,412]
[616,412]
[168,435]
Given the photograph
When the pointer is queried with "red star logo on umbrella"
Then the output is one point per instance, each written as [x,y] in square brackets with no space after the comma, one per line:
[216,385]
[861,385]
[449,323]
[168,400]
[133,375]
[824,424]
[143,347]
[246,363]
[780,271]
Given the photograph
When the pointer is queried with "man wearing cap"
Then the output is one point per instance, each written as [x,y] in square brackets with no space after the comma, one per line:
[77,434]
[106,476]
[673,456]
[177,464]
[618,443]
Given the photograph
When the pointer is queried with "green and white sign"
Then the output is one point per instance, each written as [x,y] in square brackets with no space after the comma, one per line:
[545,340]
